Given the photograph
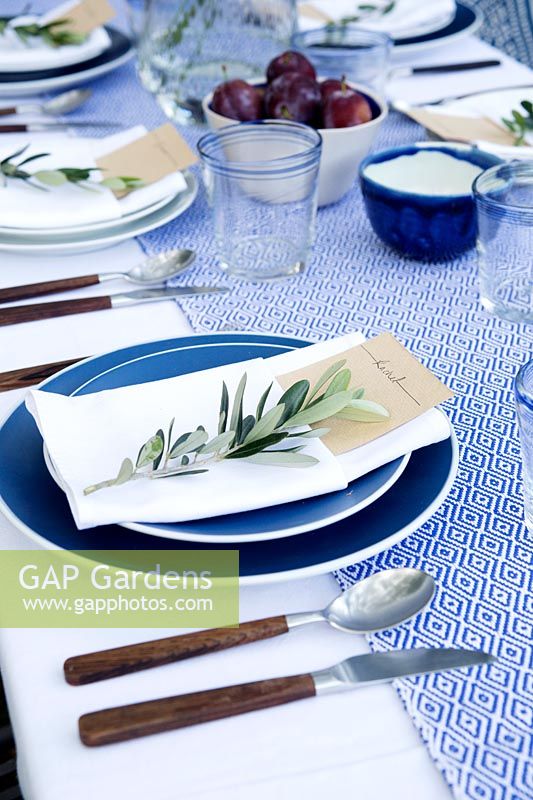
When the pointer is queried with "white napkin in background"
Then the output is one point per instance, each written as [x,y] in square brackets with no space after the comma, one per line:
[407,18]
[88,437]
[35,54]
[68,205]
[494,107]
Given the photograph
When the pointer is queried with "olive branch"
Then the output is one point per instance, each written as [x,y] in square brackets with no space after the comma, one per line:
[53,33]
[520,125]
[56,177]
[272,438]
[366,11]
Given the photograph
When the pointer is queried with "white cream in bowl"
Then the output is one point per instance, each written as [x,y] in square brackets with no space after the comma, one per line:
[426,172]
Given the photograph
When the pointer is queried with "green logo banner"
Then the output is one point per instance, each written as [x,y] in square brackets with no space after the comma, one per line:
[119,588]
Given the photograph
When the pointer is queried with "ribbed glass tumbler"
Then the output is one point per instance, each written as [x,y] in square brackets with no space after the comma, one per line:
[261,179]
[504,204]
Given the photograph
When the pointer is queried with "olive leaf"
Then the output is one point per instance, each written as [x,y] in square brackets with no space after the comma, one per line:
[219,443]
[266,425]
[261,403]
[50,177]
[188,444]
[159,475]
[236,414]
[282,458]
[158,458]
[256,447]
[324,378]
[322,410]
[314,433]
[340,382]
[125,472]
[363,411]
[149,451]
[293,399]
[247,425]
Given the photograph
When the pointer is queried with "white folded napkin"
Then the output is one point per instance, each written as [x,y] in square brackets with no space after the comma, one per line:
[406,18]
[35,54]
[24,206]
[494,106]
[88,437]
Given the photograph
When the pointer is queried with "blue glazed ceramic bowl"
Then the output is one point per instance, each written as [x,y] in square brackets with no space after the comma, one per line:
[423,206]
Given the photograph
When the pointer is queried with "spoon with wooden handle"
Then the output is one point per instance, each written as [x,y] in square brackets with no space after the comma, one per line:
[380,601]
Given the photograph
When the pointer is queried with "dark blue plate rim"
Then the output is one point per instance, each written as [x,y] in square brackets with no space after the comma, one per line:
[465,17]
[393,517]
[120,45]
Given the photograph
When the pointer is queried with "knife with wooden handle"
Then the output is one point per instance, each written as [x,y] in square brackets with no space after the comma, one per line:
[156,716]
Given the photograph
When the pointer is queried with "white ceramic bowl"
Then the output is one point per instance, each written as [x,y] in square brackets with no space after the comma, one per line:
[343,149]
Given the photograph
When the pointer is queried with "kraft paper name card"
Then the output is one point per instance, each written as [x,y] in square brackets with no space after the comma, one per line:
[149,158]
[87,15]
[308,10]
[391,376]
[460,129]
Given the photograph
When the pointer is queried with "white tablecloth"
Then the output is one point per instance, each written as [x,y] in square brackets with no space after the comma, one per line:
[360,744]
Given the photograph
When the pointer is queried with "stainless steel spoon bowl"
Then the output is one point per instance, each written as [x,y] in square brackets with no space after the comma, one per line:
[61,104]
[156,269]
[380,601]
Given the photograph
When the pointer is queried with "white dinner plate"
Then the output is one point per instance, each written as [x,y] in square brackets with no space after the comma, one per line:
[63,244]
[102,225]
[18,84]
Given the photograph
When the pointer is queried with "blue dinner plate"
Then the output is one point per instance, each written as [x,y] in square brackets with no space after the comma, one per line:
[32,500]
[465,22]
[133,366]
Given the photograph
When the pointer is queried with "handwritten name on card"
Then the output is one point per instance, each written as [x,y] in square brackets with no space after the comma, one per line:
[390,376]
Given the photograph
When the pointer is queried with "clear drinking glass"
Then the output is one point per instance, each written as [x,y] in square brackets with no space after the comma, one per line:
[136,14]
[336,50]
[504,204]
[188,46]
[524,410]
[261,179]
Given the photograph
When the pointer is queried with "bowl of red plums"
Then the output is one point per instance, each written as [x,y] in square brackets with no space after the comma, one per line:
[347,115]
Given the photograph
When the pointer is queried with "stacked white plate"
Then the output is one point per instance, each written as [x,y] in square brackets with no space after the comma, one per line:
[97,235]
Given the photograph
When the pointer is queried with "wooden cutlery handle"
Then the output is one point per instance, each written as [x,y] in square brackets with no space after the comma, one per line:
[14,128]
[29,376]
[13,293]
[156,716]
[6,112]
[133,658]
[59,308]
